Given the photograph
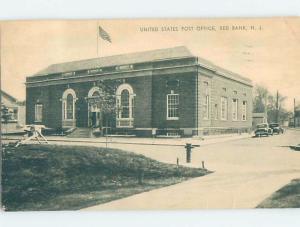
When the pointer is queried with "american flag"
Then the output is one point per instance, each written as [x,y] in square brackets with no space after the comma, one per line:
[104,35]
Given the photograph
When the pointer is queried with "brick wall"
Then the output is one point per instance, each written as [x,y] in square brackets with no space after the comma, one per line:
[187,100]
[142,87]
[50,97]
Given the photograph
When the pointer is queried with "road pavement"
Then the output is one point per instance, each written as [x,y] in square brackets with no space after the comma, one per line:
[246,171]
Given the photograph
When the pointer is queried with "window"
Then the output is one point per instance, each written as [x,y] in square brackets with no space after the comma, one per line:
[172,106]
[235,92]
[224,108]
[206,107]
[224,89]
[13,113]
[216,112]
[244,111]
[234,109]
[68,105]
[125,106]
[206,101]
[38,113]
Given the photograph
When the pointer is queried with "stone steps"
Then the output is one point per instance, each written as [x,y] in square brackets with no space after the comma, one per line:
[81,133]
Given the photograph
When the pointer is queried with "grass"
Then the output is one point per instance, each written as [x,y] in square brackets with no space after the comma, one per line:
[56,177]
[286,197]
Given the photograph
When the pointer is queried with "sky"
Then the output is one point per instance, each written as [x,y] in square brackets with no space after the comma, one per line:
[267,51]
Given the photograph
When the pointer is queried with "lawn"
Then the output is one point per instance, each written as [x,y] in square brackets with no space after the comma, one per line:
[286,197]
[56,177]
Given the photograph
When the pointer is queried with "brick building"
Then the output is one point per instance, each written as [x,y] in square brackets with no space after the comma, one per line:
[162,92]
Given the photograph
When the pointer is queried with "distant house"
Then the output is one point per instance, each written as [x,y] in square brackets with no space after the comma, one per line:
[258,118]
[16,113]
[297,118]
[167,91]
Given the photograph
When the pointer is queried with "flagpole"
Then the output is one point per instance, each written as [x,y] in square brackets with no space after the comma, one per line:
[97,29]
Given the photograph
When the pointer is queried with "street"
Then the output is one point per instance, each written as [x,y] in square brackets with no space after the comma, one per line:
[246,171]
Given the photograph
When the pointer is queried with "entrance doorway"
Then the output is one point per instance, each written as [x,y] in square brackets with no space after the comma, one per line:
[94,110]
[94,116]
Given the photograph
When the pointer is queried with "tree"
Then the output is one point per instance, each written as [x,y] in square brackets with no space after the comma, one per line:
[260,99]
[5,115]
[272,105]
[276,111]
[106,101]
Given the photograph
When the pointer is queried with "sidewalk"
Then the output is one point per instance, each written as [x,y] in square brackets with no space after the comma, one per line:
[202,141]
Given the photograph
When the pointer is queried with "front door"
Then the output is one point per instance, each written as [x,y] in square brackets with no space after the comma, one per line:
[95,119]
[94,116]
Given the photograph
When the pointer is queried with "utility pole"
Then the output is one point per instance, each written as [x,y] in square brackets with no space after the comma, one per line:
[294,113]
[277,107]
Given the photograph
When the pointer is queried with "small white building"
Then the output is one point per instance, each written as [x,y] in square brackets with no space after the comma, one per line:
[16,113]
[259,118]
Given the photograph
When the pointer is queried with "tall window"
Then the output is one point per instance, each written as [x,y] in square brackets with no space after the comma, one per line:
[125,106]
[172,106]
[68,104]
[206,107]
[38,113]
[234,109]
[216,112]
[69,108]
[224,108]
[244,111]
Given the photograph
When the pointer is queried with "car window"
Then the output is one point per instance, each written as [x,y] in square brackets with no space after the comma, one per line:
[261,126]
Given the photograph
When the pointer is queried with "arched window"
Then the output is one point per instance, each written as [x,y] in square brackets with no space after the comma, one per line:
[94,92]
[94,108]
[68,105]
[125,106]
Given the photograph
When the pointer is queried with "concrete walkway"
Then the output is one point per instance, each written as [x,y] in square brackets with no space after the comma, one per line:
[143,141]
[246,172]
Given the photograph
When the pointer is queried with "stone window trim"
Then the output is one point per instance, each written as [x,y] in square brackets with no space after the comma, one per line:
[125,122]
[64,100]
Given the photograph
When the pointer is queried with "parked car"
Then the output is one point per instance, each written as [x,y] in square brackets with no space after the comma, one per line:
[276,128]
[263,130]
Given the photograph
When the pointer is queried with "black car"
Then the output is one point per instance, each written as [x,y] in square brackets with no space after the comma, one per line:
[276,128]
[263,130]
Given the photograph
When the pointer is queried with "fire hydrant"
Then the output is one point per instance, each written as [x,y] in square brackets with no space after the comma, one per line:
[189,148]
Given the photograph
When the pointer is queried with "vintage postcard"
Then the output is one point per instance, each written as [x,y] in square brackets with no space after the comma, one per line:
[150,114]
